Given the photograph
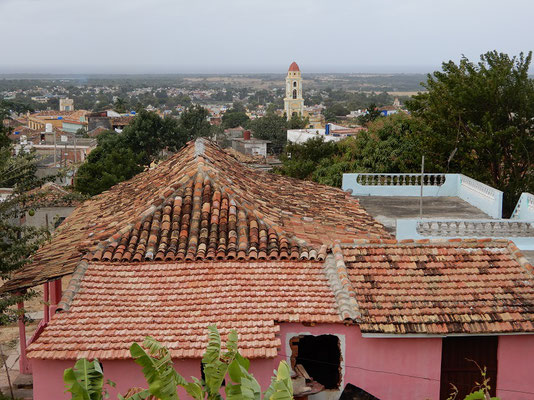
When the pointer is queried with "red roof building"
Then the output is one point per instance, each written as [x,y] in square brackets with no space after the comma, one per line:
[294,67]
[299,269]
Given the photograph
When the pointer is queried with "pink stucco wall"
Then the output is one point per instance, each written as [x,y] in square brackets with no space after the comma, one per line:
[515,374]
[383,367]
[48,375]
[390,369]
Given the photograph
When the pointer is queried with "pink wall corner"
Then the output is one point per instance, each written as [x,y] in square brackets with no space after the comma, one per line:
[515,373]
[390,369]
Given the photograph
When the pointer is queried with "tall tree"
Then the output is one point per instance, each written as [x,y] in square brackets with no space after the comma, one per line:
[194,123]
[118,157]
[271,127]
[298,122]
[485,111]
[119,105]
[235,116]
[17,241]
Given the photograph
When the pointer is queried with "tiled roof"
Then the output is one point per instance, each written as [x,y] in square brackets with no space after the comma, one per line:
[442,288]
[118,304]
[97,131]
[201,222]
[124,120]
[295,212]
[52,195]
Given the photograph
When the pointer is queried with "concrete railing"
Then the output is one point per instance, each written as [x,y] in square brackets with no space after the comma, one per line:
[524,210]
[521,232]
[482,196]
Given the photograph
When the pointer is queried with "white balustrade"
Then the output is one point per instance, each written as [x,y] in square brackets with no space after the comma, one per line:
[478,187]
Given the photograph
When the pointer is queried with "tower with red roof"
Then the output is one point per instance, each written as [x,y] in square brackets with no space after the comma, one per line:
[293,102]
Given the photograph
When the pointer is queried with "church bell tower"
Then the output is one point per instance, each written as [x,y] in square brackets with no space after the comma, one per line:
[293,102]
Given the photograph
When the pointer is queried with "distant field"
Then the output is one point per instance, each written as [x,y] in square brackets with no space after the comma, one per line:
[396,84]
[405,93]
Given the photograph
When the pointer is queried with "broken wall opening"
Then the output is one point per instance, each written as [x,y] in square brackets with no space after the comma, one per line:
[320,356]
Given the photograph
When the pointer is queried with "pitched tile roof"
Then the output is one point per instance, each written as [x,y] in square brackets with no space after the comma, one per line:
[442,287]
[201,222]
[52,195]
[289,211]
[118,304]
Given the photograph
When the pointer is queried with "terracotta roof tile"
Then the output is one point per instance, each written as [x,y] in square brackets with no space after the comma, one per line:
[202,204]
[118,304]
[443,287]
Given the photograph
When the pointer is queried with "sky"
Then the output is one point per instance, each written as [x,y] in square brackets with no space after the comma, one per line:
[251,36]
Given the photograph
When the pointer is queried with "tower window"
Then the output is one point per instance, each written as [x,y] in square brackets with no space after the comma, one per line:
[294,83]
[294,93]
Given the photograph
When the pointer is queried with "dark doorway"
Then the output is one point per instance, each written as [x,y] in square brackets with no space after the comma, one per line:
[320,356]
[457,369]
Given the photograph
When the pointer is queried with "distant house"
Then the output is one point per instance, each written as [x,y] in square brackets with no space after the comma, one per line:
[66,104]
[50,205]
[331,133]
[301,270]
[250,146]
[388,110]
[109,120]
[236,132]
[38,121]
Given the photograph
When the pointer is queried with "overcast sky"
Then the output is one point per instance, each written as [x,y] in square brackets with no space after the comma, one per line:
[220,36]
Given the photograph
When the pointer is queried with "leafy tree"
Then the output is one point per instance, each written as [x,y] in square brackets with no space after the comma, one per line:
[371,115]
[391,144]
[119,105]
[18,242]
[298,122]
[82,132]
[194,123]
[105,167]
[148,133]
[336,110]
[4,130]
[119,157]
[235,116]
[86,380]
[234,119]
[6,106]
[485,111]
[301,160]
[271,127]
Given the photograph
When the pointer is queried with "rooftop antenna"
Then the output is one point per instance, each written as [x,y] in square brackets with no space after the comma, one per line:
[422,180]
[450,157]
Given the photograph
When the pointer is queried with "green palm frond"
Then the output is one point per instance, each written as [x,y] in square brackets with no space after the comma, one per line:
[281,387]
[157,368]
[85,381]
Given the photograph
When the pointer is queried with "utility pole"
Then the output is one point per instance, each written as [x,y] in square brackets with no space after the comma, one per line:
[422,181]
[55,150]
[75,153]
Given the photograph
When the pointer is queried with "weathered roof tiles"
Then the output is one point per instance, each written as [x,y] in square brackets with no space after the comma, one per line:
[216,207]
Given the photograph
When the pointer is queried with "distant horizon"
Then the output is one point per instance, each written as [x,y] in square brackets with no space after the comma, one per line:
[224,70]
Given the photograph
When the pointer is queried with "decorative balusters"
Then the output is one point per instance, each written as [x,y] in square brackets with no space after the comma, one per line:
[400,179]
[475,228]
[478,187]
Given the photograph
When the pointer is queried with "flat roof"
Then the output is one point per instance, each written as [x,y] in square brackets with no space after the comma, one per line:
[387,209]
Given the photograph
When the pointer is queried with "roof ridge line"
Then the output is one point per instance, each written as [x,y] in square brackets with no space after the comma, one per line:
[74,286]
[162,200]
[520,258]
[248,209]
[338,279]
